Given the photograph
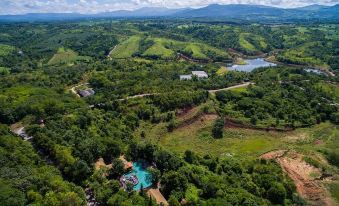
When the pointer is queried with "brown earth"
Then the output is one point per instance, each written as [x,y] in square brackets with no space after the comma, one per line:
[307,178]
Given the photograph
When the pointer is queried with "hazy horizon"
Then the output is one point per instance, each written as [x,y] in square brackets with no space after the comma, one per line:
[15,7]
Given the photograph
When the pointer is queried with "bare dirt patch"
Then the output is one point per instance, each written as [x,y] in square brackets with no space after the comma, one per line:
[199,119]
[101,164]
[306,177]
[186,113]
[294,137]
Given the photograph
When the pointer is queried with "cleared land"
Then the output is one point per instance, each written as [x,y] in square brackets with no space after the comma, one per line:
[66,56]
[159,49]
[6,50]
[127,48]
[194,133]
[306,177]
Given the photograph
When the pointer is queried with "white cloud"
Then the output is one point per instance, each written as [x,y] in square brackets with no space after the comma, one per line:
[95,6]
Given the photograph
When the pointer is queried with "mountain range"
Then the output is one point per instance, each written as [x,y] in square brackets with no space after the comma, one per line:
[233,11]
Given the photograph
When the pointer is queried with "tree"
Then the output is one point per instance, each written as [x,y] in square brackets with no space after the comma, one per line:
[174,182]
[173,201]
[129,187]
[218,128]
[64,156]
[112,150]
[117,168]
[190,157]
[171,125]
[154,176]
[79,171]
[277,193]
[11,196]
[142,191]
[254,120]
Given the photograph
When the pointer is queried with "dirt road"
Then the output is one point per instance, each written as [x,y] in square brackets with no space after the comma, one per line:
[232,87]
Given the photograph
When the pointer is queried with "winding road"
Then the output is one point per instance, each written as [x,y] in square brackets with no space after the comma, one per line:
[73,89]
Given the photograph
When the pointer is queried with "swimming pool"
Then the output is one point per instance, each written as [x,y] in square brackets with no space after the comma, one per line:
[141,173]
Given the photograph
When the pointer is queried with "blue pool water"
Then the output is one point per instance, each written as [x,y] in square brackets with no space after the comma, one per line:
[142,174]
[252,64]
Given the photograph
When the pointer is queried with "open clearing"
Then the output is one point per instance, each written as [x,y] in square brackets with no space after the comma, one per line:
[194,133]
[306,177]
[66,56]
[127,48]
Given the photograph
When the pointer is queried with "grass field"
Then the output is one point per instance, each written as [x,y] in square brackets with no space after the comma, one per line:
[6,49]
[66,56]
[159,49]
[252,43]
[197,137]
[196,51]
[21,94]
[127,48]
[245,44]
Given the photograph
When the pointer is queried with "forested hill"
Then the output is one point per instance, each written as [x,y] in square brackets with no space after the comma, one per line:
[233,11]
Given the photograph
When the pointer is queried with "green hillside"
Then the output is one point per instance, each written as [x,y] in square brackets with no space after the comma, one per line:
[164,48]
[126,48]
[66,56]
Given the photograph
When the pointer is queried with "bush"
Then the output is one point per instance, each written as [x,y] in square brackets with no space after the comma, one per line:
[277,193]
[218,128]
[333,158]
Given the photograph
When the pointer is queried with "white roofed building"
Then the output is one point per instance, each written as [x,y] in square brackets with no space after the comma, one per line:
[200,74]
[185,77]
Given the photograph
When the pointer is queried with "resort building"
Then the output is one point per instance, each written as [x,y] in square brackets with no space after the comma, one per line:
[127,165]
[86,92]
[200,74]
[185,77]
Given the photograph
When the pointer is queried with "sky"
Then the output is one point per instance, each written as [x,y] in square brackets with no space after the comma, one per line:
[97,6]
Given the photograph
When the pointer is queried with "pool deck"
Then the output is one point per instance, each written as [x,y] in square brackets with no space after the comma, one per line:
[159,198]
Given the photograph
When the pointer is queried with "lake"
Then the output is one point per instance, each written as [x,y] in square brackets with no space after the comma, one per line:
[252,64]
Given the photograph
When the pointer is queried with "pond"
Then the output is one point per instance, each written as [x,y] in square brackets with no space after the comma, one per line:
[138,176]
[252,64]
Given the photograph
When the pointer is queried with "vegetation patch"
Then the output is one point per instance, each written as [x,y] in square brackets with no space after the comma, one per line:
[127,48]
[66,56]
[4,71]
[6,50]
[158,49]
